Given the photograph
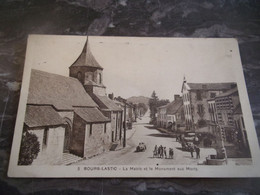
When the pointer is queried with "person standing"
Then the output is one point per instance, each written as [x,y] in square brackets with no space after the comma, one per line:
[155,152]
[161,151]
[165,152]
[197,150]
[171,153]
[191,151]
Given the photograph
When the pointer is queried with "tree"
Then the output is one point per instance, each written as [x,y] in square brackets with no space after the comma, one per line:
[142,108]
[153,103]
[30,147]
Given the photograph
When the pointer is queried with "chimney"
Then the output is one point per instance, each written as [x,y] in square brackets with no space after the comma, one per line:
[111,96]
[177,97]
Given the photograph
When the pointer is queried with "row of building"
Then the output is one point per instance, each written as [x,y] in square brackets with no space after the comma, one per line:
[73,115]
[171,116]
[212,108]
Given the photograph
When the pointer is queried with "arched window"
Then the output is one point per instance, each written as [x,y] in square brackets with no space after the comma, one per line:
[67,137]
[79,75]
[99,78]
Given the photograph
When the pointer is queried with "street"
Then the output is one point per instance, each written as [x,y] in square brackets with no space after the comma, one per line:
[144,132]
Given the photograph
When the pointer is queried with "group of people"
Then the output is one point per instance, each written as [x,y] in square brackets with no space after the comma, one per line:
[196,149]
[161,152]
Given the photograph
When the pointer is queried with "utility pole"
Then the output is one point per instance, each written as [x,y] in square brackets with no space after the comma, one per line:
[124,121]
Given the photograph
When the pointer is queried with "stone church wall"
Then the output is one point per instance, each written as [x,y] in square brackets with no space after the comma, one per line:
[77,136]
[52,152]
[97,140]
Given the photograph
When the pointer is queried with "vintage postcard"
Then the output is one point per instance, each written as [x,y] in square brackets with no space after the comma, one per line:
[133,107]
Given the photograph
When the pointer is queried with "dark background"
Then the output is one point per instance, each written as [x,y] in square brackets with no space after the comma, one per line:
[154,18]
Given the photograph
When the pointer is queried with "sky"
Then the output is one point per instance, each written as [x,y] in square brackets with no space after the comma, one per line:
[138,66]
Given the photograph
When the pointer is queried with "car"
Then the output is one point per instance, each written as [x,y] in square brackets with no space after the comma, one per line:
[189,136]
[141,147]
[186,146]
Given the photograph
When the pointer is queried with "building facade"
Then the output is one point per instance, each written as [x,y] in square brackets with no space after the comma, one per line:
[231,123]
[129,112]
[162,119]
[56,107]
[195,101]
[72,115]
[171,116]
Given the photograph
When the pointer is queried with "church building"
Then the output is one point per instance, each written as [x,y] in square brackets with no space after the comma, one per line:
[89,72]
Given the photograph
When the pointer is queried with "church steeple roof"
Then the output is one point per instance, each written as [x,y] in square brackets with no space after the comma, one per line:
[86,58]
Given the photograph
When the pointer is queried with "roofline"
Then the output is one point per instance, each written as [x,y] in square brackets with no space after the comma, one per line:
[95,121]
[212,83]
[95,85]
[51,105]
[111,110]
[43,126]
[84,107]
[220,89]
[80,53]
[86,66]
[220,95]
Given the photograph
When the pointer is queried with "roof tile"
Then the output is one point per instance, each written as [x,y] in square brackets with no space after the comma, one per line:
[62,92]
[42,116]
[91,115]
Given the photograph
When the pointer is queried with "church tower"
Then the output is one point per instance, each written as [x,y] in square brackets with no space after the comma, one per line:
[88,71]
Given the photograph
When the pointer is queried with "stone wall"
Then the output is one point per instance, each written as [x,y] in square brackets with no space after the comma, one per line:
[116,125]
[99,90]
[67,114]
[52,152]
[75,70]
[88,73]
[55,143]
[78,136]
[97,140]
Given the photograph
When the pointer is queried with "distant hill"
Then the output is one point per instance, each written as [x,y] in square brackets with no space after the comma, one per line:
[139,99]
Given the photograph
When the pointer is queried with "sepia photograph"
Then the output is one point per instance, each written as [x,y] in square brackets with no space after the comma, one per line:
[131,106]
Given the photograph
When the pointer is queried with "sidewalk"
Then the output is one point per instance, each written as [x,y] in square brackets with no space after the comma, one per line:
[129,135]
[162,130]
[239,161]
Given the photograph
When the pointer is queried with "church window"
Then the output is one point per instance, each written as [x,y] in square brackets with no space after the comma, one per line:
[99,78]
[79,75]
[90,130]
[105,128]
[45,135]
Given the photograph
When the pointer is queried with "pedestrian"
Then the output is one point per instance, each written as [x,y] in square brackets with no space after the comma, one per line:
[191,150]
[164,151]
[171,153]
[180,138]
[155,152]
[197,150]
[161,151]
